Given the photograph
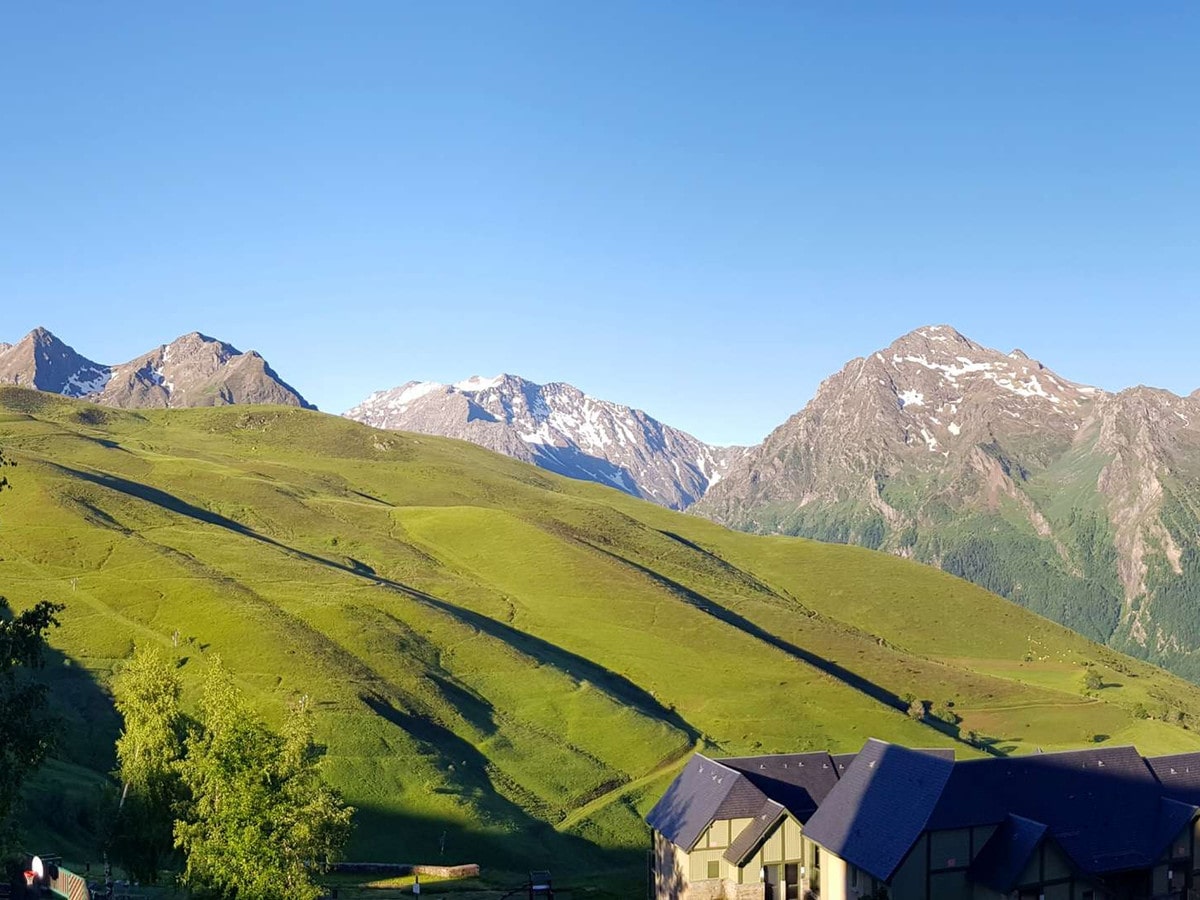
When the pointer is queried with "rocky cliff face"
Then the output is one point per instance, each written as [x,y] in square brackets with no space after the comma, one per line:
[193,370]
[1082,504]
[557,427]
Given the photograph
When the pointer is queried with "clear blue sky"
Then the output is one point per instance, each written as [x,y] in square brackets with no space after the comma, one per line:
[698,209]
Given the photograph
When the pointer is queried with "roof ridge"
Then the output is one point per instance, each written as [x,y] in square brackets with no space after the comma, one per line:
[1013,815]
[1042,755]
[717,762]
[777,755]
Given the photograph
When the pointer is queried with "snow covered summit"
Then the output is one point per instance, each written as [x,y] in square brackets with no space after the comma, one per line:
[560,428]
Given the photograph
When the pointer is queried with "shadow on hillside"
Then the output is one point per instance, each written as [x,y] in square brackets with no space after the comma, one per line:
[729,567]
[60,803]
[578,667]
[64,801]
[504,848]
[508,838]
[84,724]
[744,625]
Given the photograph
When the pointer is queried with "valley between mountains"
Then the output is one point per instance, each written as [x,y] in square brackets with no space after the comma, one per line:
[1080,504]
[505,664]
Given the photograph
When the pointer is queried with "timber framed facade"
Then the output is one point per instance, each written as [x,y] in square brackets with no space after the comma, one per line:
[891,822]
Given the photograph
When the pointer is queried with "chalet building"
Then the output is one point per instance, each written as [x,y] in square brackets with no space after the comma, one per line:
[1100,824]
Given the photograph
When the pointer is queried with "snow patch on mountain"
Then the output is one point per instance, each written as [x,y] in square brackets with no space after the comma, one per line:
[88,380]
[560,428]
[476,383]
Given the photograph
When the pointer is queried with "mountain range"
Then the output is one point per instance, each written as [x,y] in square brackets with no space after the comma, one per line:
[1079,503]
[560,428]
[193,370]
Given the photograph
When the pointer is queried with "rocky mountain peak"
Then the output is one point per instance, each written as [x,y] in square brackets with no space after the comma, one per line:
[192,370]
[1079,503]
[558,427]
[40,360]
[198,370]
[925,404]
[941,339]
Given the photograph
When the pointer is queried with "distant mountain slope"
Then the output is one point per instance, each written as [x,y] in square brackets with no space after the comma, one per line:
[1081,504]
[505,666]
[560,428]
[193,370]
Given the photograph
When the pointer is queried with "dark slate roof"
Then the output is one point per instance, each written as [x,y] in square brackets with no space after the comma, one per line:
[744,800]
[765,820]
[842,760]
[799,781]
[1173,816]
[939,752]
[1179,775]
[702,789]
[1104,806]
[1003,858]
[1109,809]
[880,806]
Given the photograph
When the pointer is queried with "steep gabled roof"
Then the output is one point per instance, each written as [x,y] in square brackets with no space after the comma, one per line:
[1104,806]
[798,781]
[1109,809]
[752,836]
[743,801]
[1173,817]
[880,806]
[1003,858]
[704,790]
[1179,775]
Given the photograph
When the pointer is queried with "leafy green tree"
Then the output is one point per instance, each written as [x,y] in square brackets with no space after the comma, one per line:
[261,820]
[1092,680]
[146,692]
[945,712]
[26,727]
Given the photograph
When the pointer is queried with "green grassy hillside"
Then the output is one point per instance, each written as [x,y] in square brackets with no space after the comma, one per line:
[507,666]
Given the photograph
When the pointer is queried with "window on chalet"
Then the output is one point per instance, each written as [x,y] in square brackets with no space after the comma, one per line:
[714,868]
[791,881]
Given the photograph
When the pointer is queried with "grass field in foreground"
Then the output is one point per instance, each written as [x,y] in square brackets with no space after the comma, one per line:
[507,666]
